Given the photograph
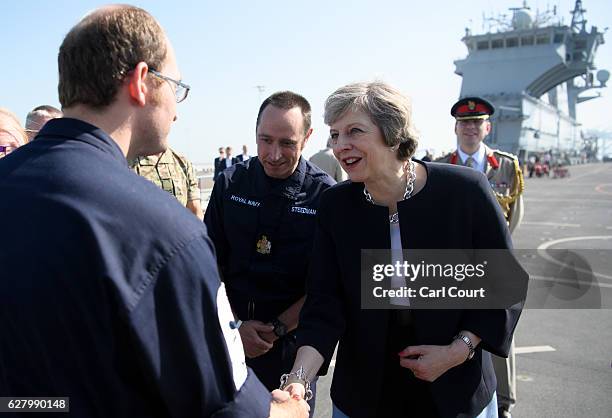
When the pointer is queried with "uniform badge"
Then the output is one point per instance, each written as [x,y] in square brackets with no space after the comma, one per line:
[263,245]
[471,105]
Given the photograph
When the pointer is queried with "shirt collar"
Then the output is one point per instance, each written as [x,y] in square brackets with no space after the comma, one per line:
[478,156]
[75,129]
[289,188]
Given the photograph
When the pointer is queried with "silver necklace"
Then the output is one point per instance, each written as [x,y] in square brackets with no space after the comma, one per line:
[411,177]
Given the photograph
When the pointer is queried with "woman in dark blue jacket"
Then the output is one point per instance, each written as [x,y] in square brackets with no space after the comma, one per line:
[410,362]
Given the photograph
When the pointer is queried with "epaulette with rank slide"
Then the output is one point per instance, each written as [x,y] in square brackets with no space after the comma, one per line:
[505,154]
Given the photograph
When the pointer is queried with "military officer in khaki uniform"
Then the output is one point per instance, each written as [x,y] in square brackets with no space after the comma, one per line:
[173,173]
[502,169]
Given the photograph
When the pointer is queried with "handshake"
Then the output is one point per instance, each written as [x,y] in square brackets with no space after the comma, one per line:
[291,399]
[288,403]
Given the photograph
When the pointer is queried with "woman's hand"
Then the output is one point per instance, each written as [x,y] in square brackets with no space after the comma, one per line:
[428,362]
[296,390]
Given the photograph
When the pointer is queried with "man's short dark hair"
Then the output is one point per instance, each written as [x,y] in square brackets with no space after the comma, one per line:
[287,100]
[101,49]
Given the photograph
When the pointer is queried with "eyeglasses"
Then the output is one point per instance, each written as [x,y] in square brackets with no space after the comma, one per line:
[181,91]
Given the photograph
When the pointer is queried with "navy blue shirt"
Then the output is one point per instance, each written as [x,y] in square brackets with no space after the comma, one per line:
[109,288]
[263,229]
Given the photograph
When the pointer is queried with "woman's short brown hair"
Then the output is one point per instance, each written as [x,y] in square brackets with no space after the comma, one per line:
[389,109]
[102,48]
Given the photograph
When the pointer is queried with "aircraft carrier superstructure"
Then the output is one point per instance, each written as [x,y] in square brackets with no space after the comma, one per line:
[534,71]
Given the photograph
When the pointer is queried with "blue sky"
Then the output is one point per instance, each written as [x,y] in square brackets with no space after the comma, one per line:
[225,49]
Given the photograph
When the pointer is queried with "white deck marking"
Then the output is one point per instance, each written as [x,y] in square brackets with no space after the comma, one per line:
[534,349]
[573,282]
[551,224]
[544,246]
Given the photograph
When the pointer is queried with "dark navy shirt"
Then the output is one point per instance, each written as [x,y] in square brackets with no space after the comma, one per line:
[263,230]
[109,290]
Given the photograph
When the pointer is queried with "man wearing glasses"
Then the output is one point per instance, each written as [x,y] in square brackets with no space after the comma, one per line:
[168,169]
[109,290]
[503,171]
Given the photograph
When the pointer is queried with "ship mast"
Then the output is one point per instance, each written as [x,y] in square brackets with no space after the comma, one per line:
[578,20]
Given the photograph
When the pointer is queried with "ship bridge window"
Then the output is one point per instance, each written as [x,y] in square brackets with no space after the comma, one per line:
[497,43]
[482,45]
[511,42]
[527,40]
[558,38]
[543,39]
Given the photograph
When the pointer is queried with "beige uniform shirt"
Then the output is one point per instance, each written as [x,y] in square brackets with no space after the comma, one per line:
[326,161]
[506,178]
[172,172]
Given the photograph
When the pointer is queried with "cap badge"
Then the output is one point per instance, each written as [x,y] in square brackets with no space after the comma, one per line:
[263,245]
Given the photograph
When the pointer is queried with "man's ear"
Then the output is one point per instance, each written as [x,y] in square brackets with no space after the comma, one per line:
[137,86]
[307,137]
[488,127]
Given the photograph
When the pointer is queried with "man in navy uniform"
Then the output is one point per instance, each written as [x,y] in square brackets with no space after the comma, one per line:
[261,218]
[109,291]
[503,171]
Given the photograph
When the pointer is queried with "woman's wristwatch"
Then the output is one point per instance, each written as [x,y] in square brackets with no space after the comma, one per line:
[280,329]
[468,342]
[299,376]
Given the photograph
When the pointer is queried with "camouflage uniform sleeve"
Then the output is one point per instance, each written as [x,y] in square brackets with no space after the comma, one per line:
[193,189]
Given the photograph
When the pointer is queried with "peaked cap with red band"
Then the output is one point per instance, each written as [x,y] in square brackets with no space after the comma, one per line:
[472,108]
